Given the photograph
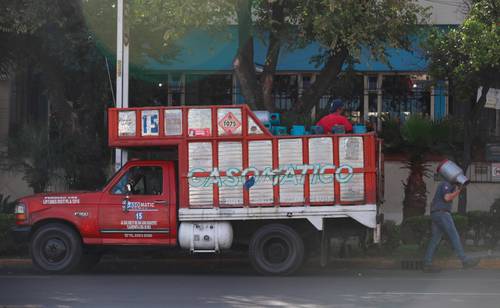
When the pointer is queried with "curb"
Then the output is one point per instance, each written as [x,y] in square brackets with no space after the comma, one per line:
[383,263]
[373,263]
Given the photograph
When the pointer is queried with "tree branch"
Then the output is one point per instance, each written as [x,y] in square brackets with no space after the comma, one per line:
[324,80]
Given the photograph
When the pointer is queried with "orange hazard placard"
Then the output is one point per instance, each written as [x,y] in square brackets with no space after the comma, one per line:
[229,123]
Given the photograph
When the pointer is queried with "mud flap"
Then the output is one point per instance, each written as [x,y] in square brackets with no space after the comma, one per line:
[377,231]
[325,247]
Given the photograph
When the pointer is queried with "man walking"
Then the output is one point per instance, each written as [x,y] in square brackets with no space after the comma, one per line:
[442,222]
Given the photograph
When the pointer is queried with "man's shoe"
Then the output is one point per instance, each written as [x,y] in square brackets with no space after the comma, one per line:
[470,263]
[427,268]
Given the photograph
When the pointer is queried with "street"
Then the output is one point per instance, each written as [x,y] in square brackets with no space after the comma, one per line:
[188,284]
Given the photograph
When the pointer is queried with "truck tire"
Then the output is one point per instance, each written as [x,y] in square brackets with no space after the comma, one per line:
[56,248]
[276,249]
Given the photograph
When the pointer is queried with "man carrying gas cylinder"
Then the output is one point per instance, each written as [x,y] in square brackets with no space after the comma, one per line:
[442,221]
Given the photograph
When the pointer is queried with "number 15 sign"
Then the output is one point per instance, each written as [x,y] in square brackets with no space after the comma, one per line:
[150,120]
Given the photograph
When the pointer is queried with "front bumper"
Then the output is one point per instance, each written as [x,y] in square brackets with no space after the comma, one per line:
[20,234]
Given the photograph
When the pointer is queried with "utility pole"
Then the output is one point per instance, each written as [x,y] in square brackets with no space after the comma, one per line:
[122,64]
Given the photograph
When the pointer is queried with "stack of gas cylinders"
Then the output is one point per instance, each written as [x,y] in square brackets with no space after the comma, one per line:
[272,121]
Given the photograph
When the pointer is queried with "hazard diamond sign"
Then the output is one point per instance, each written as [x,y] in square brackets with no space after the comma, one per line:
[229,123]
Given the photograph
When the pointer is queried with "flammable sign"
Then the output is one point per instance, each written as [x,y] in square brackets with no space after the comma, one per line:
[229,123]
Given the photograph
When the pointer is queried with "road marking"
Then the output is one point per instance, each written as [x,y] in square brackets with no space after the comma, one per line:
[435,293]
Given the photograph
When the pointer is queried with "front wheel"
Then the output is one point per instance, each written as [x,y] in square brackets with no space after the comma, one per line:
[276,249]
[56,248]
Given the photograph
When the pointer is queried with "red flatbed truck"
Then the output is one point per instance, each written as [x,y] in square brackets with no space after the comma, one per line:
[218,178]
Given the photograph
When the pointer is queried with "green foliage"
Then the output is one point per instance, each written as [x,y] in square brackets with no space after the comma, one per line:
[354,24]
[155,27]
[391,235]
[461,223]
[470,52]
[418,138]
[479,225]
[495,222]
[7,205]
[56,45]
[495,208]
[29,152]
[416,230]
[8,247]
[391,134]
[468,57]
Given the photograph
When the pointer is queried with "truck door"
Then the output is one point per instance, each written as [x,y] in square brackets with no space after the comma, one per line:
[135,207]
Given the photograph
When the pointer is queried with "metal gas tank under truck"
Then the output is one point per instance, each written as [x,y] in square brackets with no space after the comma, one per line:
[219,181]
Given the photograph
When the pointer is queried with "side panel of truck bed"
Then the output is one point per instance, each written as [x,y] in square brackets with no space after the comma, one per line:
[228,159]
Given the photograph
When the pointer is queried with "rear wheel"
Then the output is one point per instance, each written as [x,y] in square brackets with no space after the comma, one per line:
[56,248]
[276,249]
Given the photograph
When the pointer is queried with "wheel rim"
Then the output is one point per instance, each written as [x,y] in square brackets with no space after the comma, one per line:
[54,250]
[276,250]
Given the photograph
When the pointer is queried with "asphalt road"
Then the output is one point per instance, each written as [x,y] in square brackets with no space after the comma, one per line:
[160,284]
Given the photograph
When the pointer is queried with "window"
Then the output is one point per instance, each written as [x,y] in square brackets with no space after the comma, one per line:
[209,89]
[175,89]
[402,96]
[285,91]
[143,181]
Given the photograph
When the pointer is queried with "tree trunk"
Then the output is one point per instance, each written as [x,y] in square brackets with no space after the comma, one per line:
[415,191]
[272,55]
[323,82]
[244,66]
[466,161]
[471,115]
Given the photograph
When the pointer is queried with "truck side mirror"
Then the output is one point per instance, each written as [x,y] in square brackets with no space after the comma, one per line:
[128,188]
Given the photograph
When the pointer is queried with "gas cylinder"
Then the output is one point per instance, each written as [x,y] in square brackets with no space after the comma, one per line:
[452,173]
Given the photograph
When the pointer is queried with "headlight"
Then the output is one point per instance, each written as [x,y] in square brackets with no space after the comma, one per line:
[20,212]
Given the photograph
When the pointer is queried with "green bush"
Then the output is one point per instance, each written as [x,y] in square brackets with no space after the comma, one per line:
[416,230]
[391,235]
[7,245]
[461,223]
[479,225]
[495,222]
[6,205]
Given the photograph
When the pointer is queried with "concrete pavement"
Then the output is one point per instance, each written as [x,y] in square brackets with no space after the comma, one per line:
[135,284]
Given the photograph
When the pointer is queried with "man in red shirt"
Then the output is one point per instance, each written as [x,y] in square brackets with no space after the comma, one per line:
[335,118]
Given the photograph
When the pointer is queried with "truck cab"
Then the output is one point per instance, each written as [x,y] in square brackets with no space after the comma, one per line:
[136,207]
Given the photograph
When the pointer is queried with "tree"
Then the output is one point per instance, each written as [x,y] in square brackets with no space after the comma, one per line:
[417,136]
[468,57]
[342,29]
[51,40]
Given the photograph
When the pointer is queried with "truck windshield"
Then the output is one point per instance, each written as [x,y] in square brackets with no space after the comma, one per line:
[111,178]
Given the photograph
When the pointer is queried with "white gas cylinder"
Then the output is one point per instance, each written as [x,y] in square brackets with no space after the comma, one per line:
[205,236]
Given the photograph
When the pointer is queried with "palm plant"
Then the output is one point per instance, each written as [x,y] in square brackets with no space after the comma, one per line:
[29,152]
[418,140]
